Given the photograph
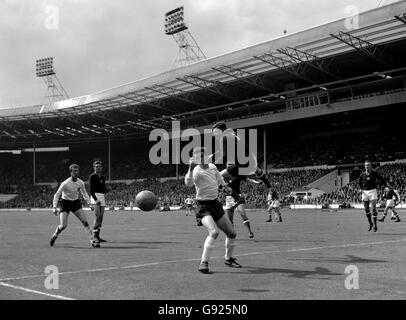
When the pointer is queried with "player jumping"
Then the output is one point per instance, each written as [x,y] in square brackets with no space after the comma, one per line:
[235,200]
[69,190]
[220,130]
[207,179]
[392,198]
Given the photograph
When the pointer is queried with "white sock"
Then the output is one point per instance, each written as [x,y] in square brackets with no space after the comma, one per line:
[208,248]
[230,244]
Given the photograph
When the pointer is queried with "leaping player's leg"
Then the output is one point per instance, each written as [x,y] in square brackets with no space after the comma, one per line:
[82,217]
[63,223]
[245,220]
[262,176]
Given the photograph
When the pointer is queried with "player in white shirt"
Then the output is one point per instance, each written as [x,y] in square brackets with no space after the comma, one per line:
[207,179]
[69,190]
[189,205]
[274,204]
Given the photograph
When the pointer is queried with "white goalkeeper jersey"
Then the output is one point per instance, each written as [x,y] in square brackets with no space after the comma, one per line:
[69,190]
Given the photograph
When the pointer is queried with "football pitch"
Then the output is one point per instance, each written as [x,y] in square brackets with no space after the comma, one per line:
[155,256]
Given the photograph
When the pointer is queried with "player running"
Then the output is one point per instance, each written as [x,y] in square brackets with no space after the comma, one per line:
[98,189]
[189,205]
[209,210]
[236,200]
[392,198]
[274,204]
[368,182]
[69,190]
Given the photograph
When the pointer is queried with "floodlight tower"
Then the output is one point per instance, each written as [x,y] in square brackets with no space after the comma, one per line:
[45,69]
[189,51]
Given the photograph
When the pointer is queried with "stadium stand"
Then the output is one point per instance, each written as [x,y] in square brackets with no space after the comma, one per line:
[329,103]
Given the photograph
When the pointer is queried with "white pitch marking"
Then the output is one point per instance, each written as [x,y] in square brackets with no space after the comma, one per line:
[198,259]
[35,291]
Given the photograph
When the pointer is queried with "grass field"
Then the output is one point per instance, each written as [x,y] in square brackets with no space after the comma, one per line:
[155,256]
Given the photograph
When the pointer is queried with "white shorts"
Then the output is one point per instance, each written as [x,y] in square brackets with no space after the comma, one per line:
[99,196]
[368,195]
[229,202]
[390,203]
[274,204]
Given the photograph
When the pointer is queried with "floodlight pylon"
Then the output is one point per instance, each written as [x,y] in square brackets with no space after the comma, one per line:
[189,51]
[55,90]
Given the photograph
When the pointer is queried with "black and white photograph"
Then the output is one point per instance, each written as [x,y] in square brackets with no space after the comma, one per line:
[199,157]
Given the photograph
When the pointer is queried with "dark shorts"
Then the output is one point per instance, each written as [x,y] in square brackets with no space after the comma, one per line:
[238,197]
[209,207]
[189,206]
[68,205]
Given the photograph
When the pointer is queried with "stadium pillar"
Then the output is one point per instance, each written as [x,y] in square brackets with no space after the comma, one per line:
[265,160]
[33,164]
[177,171]
[109,158]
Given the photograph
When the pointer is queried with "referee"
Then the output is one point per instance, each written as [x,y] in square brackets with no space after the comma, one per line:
[98,189]
[369,181]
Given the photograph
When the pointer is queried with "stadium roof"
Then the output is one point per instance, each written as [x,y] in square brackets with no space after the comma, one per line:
[249,81]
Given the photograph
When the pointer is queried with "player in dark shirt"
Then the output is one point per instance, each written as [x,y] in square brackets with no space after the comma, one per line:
[368,182]
[235,199]
[220,130]
[392,198]
[98,189]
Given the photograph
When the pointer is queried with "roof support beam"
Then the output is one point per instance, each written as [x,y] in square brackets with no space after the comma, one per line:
[310,60]
[245,76]
[362,46]
[401,18]
[292,67]
[210,85]
[146,100]
[176,94]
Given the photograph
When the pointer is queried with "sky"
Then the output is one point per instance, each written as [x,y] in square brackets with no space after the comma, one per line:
[100,44]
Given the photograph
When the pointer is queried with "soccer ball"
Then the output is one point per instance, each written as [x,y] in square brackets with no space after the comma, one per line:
[146,200]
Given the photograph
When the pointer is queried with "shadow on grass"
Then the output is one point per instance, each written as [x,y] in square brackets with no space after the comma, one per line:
[348,259]
[295,273]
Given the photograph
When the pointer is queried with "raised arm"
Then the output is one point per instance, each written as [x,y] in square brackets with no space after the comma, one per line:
[189,175]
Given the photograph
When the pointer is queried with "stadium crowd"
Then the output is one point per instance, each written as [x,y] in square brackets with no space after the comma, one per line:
[172,192]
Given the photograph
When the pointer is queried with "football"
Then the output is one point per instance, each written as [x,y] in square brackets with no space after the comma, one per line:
[146,200]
